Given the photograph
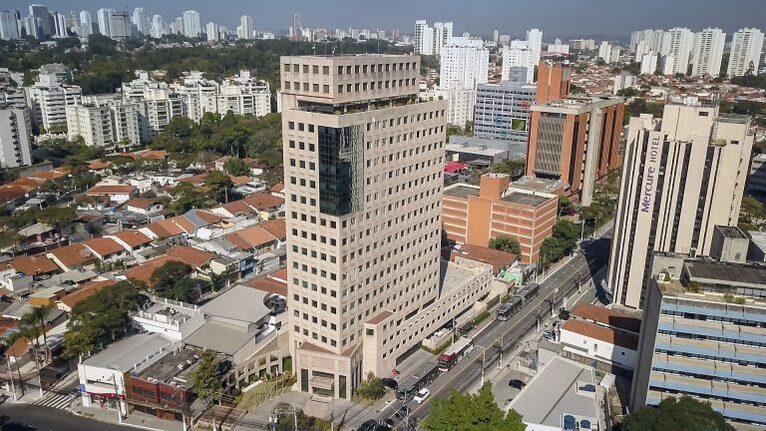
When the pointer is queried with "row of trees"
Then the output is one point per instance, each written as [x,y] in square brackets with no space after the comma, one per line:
[563,241]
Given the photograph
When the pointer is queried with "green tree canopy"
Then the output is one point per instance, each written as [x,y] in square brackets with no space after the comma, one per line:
[562,242]
[186,197]
[471,412]
[236,167]
[218,184]
[101,318]
[514,168]
[172,281]
[372,388]
[206,379]
[506,243]
[676,414]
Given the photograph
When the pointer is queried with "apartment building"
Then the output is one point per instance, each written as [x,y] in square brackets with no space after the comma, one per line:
[704,335]
[15,136]
[707,52]
[48,102]
[105,122]
[745,56]
[576,140]
[474,215]
[363,176]
[681,177]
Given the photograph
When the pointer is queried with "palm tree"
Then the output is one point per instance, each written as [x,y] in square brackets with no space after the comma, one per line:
[11,340]
[31,333]
[36,318]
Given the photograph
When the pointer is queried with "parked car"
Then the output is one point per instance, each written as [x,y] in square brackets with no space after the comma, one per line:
[389,383]
[516,383]
[421,395]
[368,425]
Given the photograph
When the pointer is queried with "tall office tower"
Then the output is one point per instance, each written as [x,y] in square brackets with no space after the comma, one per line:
[707,52]
[86,24]
[60,25]
[46,19]
[297,28]
[15,136]
[442,36]
[32,27]
[245,27]
[463,64]
[677,46]
[363,175]
[120,27]
[424,38]
[141,21]
[745,57]
[702,335]
[576,141]
[212,32]
[502,110]
[192,26]
[105,21]
[9,27]
[681,177]
[158,26]
[553,82]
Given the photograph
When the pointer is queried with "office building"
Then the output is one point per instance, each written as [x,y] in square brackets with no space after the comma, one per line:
[120,27]
[9,25]
[524,53]
[105,21]
[681,177]
[704,335]
[43,15]
[576,141]
[474,215]
[61,28]
[158,26]
[15,136]
[86,24]
[676,49]
[245,29]
[745,56]
[363,178]
[463,64]
[502,110]
[553,82]
[707,52]
[105,122]
[296,29]
[141,21]
[192,26]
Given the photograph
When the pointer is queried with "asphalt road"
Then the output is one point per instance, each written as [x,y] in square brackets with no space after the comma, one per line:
[580,269]
[30,417]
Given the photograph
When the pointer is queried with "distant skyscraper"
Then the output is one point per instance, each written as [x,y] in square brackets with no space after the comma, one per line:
[707,52]
[9,27]
[105,21]
[60,24]
[46,19]
[424,38]
[463,64]
[192,25]
[677,46]
[119,25]
[746,46]
[86,24]
[212,32]
[245,27]
[158,26]
[496,36]
[141,21]
[680,178]
[297,26]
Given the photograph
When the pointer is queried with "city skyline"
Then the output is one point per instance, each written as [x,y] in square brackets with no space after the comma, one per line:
[556,18]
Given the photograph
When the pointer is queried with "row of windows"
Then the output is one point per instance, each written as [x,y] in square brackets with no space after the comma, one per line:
[377,125]
[703,317]
[364,85]
[687,335]
[711,358]
[348,70]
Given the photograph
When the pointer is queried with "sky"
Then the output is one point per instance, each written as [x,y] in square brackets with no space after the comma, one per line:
[557,18]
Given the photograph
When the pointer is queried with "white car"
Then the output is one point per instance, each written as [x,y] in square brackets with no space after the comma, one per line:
[422,395]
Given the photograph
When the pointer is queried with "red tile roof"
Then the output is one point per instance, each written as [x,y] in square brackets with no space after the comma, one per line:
[497,258]
[263,201]
[240,180]
[85,291]
[238,207]
[277,188]
[104,247]
[268,285]
[142,203]
[190,255]
[110,189]
[209,217]
[97,165]
[276,227]
[628,341]
[34,265]
[73,255]
[133,238]
[256,236]
[144,271]
[607,317]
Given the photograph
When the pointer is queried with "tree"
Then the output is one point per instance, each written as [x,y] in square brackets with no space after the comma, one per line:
[187,197]
[677,414]
[36,318]
[218,185]
[372,388]
[562,242]
[172,281]
[752,210]
[469,412]
[236,167]
[101,318]
[514,168]
[206,379]
[506,243]
[10,239]
[57,216]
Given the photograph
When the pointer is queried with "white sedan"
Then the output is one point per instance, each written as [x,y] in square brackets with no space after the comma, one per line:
[422,395]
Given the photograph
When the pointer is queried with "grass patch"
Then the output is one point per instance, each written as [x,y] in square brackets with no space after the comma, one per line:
[481,317]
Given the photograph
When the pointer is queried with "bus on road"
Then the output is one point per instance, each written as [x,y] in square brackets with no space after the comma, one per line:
[410,385]
[455,353]
[508,309]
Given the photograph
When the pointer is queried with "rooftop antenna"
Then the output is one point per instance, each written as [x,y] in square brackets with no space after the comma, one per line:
[314,49]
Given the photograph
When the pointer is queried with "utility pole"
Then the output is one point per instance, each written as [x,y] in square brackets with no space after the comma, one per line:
[483,359]
[10,377]
[500,363]
[119,408]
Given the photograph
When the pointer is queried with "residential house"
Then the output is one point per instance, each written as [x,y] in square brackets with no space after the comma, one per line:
[117,193]
[72,256]
[144,206]
[106,249]
[131,240]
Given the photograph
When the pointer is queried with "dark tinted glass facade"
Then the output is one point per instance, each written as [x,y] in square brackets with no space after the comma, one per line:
[341,160]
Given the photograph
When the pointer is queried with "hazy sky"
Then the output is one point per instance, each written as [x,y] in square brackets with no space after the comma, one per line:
[554,17]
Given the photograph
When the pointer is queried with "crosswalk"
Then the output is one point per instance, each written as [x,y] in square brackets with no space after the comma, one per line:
[56,401]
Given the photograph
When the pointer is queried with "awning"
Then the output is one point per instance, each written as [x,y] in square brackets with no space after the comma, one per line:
[322,383]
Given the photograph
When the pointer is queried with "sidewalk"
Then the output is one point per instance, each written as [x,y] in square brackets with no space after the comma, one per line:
[135,419]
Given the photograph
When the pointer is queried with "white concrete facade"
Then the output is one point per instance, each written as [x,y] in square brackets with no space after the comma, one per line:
[707,53]
[746,47]
[15,137]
